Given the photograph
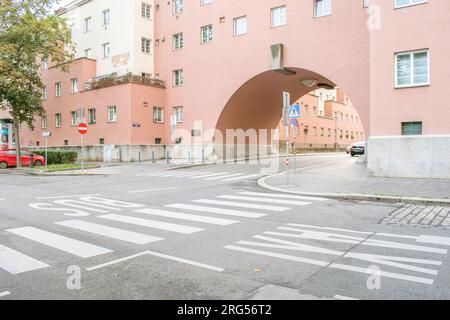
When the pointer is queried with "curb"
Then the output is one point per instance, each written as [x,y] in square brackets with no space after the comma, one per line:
[357,196]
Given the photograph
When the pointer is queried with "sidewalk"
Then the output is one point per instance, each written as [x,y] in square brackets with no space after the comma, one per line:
[345,178]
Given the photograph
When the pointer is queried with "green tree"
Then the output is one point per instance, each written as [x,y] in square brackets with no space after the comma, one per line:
[28,34]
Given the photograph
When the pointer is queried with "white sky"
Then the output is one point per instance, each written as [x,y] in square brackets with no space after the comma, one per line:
[61,3]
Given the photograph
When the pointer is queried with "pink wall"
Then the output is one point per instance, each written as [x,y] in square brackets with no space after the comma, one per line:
[336,47]
[417,27]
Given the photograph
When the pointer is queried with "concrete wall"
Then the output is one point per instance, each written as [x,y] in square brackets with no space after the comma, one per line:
[410,157]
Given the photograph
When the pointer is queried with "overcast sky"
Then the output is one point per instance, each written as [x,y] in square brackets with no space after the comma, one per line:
[61,3]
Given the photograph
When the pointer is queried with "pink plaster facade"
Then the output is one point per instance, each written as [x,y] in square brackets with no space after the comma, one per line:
[229,82]
[338,116]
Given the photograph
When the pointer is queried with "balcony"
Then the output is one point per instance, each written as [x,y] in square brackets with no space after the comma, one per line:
[114,80]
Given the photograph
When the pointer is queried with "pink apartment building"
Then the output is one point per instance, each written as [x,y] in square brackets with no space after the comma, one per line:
[226,63]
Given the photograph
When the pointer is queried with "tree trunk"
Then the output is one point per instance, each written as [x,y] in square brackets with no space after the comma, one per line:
[16,125]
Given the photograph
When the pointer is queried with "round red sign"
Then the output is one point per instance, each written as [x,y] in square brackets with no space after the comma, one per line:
[82,128]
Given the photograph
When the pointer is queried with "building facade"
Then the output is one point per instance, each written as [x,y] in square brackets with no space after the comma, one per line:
[227,63]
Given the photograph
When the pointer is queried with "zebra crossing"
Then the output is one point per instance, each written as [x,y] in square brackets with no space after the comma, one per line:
[214,212]
[202,175]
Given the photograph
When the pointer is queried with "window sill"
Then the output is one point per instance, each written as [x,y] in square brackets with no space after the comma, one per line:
[412,86]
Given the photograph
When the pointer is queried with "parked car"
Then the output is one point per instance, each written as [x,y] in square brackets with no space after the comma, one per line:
[358,149]
[8,158]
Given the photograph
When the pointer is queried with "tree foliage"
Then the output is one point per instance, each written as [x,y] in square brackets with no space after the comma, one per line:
[29,33]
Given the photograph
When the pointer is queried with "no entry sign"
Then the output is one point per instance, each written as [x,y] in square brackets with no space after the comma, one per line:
[82,128]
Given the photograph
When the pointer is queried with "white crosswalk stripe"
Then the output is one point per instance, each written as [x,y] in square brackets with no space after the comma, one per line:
[243,177]
[224,177]
[266,200]
[15,262]
[242,205]
[152,224]
[184,174]
[69,245]
[210,175]
[284,196]
[188,217]
[228,212]
[114,233]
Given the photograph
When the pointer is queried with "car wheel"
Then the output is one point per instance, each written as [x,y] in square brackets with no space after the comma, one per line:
[353,154]
[38,163]
[3,165]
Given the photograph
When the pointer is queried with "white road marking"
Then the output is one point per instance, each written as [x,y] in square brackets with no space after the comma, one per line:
[152,190]
[278,201]
[397,276]
[4,294]
[225,177]
[15,262]
[243,205]
[339,297]
[331,229]
[186,174]
[434,240]
[237,213]
[244,177]
[284,196]
[309,236]
[403,246]
[114,233]
[72,246]
[279,255]
[152,224]
[2,199]
[188,217]
[156,254]
[210,175]
[66,197]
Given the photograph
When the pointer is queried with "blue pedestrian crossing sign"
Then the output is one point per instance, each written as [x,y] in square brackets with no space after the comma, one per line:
[294,111]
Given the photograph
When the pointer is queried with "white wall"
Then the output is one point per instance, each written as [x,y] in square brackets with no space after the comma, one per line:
[124,34]
[409,157]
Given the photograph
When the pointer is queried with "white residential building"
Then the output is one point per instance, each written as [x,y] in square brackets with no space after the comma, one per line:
[119,34]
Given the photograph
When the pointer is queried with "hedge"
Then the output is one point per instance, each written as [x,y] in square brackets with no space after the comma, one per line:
[58,157]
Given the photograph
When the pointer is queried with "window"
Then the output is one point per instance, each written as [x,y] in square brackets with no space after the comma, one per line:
[278,16]
[74,85]
[87,24]
[178,78]
[177,6]
[101,141]
[412,69]
[406,3]
[92,117]
[240,26]
[411,128]
[88,53]
[44,122]
[72,30]
[205,2]
[146,45]
[146,75]
[106,17]
[146,10]
[44,64]
[207,33]
[178,41]
[158,115]
[44,93]
[322,132]
[179,114]
[158,140]
[322,8]
[66,142]
[58,89]
[145,104]
[106,50]
[73,118]
[58,120]
[314,131]
[112,114]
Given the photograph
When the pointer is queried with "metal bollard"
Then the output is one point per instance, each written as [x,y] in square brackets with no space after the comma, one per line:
[203,156]
[153,157]
[168,158]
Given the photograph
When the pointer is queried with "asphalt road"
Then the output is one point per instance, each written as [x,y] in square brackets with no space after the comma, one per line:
[206,233]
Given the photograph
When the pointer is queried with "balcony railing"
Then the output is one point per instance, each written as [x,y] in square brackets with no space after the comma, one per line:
[114,80]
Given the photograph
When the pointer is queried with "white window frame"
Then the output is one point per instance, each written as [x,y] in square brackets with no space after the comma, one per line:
[158,115]
[409,4]
[44,93]
[206,33]
[178,112]
[146,10]
[146,45]
[178,78]
[112,119]
[44,122]
[106,50]
[88,24]
[58,120]
[323,4]
[58,89]
[237,27]
[272,17]
[74,85]
[92,119]
[177,7]
[73,118]
[205,2]
[106,17]
[412,84]
[178,41]
[88,53]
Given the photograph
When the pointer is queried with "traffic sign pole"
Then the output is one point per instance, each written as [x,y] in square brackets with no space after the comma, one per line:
[82,129]
[286,111]
[82,153]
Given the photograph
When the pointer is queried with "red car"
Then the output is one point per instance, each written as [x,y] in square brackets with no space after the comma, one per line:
[8,158]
